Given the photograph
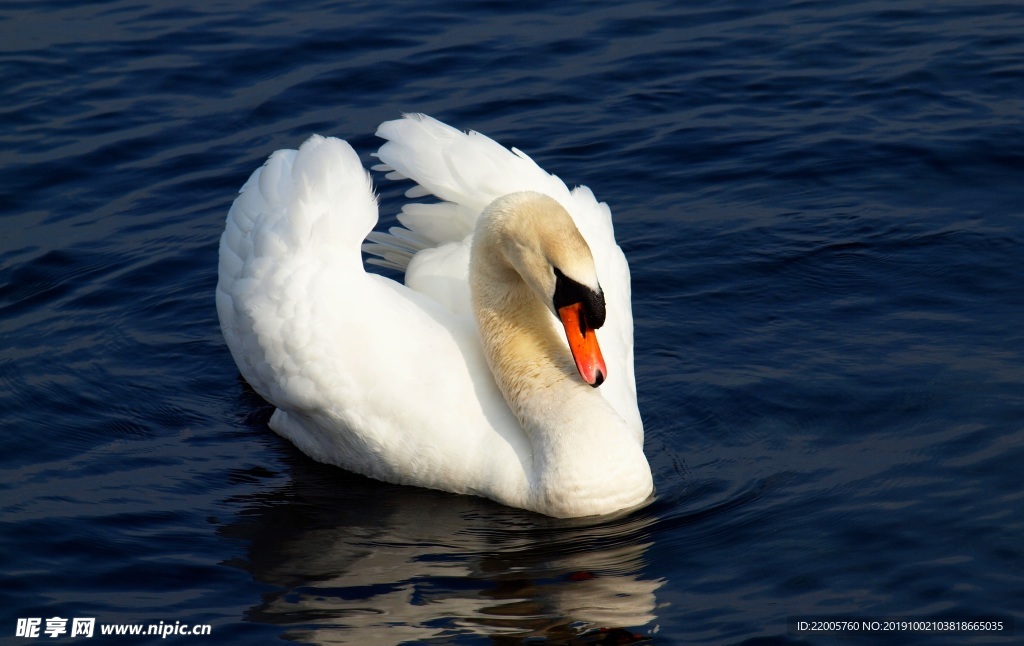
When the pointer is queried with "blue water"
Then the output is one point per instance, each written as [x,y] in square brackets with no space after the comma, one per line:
[823,206]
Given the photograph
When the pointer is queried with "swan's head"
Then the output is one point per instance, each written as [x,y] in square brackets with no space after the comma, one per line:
[540,242]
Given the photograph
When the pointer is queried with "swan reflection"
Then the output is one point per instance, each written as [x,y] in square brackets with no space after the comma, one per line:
[358,561]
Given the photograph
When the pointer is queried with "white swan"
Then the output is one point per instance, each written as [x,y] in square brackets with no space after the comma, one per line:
[395,382]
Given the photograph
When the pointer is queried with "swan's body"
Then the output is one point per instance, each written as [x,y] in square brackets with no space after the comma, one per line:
[395,382]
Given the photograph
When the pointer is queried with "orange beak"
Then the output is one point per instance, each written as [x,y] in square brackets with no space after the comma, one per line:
[583,344]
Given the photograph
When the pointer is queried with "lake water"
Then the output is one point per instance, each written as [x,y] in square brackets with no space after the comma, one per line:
[823,206]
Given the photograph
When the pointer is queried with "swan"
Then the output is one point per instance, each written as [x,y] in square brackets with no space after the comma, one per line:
[482,374]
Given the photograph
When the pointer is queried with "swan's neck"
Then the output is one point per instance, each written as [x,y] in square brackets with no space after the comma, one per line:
[585,459]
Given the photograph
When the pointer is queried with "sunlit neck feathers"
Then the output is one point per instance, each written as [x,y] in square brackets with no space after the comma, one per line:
[528,257]
[527,262]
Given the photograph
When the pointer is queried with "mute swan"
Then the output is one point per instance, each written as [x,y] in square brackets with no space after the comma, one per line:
[465,379]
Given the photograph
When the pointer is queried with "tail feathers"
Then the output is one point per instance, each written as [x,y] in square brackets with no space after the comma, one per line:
[467,170]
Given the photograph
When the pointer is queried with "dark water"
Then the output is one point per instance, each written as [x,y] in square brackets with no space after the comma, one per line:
[823,204]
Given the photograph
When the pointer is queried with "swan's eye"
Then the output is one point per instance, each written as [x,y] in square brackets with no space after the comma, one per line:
[570,292]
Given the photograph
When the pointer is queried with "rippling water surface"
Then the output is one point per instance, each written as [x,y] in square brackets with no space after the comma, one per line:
[823,208]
